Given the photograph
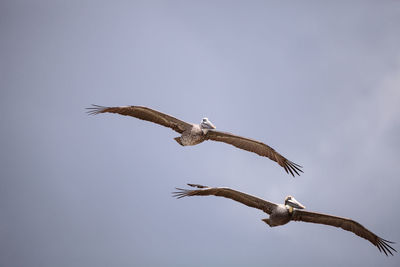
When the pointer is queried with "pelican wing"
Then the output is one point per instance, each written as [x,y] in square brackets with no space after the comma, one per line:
[256,147]
[346,224]
[243,198]
[144,113]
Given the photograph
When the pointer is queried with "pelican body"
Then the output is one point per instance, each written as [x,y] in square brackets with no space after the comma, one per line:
[291,210]
[193,134]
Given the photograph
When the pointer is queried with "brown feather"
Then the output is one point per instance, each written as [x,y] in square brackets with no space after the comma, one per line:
[144,113]
[256,147]
[345,224]
[243,198]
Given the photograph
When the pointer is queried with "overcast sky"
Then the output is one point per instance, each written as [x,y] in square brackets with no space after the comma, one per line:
[320,83]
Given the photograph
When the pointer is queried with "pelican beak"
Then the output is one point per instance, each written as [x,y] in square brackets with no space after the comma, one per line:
[211,125]
[295,204]
[206,124]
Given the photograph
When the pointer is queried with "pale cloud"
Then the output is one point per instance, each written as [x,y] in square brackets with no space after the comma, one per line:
[388,101]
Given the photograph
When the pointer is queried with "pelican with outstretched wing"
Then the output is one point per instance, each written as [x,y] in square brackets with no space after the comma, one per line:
[193,134]
[291,210]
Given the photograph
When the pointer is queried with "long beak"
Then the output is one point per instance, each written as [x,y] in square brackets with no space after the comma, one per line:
[209,125]
[295,204]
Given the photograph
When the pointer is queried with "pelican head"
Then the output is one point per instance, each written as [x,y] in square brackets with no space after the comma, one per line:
[206,124]
[291,202]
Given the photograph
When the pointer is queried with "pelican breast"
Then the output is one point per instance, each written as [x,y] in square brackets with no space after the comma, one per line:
[279,216]
[192,136]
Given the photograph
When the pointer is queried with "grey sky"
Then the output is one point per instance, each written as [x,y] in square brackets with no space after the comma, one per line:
[318,82]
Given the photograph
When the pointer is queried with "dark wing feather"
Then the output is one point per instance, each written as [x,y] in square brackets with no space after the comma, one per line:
[256,147]
[243,198]
[144,113]
[346,224]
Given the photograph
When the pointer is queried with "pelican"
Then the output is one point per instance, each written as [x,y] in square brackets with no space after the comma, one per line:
[193,134]
[291,210]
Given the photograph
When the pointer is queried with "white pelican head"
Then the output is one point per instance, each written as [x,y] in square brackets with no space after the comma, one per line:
[206,124]
[291,202]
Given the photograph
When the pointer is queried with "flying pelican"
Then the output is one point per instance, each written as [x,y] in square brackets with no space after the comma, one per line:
[292,210]
[193,134]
